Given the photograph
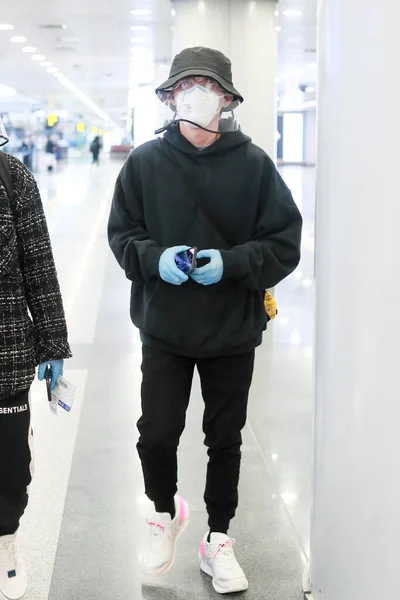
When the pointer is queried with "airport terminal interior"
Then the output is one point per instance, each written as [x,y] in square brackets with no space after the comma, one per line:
[73,72]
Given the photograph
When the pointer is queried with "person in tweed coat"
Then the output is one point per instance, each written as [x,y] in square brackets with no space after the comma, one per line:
[32,332]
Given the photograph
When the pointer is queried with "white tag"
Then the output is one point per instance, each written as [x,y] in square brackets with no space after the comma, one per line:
[63,395]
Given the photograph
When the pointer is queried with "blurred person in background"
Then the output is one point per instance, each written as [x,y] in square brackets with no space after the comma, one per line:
[32,332]
[26,151]
[95,148]
[205,185]
[51,154]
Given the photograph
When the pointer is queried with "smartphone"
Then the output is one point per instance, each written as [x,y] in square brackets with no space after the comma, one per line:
[186,261]
[48,383]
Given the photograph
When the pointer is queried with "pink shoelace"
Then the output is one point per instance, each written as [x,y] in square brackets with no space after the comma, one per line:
[156,525]
[230,542]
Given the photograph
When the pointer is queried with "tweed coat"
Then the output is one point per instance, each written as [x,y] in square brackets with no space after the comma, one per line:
[32,321]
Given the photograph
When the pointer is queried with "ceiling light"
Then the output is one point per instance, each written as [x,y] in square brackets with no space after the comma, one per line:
[47,63]
[277,13]
[6,27]
[310,89]
[79,94]
[18,39]
[29,49]
[69,85]
[38,57]
[139,28]
[278,28]
[289,498]
[173,13]
[293,12]
[141,12]
[51,69]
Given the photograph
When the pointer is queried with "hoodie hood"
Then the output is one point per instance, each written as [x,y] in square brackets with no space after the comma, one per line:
[226,143]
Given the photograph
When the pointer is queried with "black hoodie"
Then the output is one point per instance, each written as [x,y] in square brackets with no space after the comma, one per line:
[250,217]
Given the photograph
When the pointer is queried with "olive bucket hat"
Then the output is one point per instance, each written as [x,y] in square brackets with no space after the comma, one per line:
[203,62]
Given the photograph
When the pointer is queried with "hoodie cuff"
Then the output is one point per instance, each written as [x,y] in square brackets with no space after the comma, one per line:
[235,263]
[152,261]
[230,264]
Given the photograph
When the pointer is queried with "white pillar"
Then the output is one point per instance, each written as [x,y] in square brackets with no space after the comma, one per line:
[161,73]
[244,30]
[145,114]
[355,539]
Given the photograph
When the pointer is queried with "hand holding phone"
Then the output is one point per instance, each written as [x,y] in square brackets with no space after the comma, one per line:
[50,371]
[167,267]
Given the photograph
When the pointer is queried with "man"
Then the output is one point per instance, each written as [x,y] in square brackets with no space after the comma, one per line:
[95,148]
[203,185]
[28,281]
[51,154]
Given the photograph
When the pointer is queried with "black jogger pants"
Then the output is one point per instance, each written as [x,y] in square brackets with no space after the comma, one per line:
[15,460]
[166,387]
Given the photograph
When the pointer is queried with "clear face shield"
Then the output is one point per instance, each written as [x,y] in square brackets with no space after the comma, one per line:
[3,134]
[198,102]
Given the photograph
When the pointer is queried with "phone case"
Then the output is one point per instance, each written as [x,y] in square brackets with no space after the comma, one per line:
[186,261]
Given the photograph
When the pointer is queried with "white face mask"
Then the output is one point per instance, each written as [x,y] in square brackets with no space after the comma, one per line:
[198,104]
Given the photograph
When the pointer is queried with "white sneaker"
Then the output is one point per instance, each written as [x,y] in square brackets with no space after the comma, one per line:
[13,578]
[159,554]
[217,559]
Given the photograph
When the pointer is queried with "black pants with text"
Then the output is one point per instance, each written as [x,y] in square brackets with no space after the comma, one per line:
[166,387]
[15,460]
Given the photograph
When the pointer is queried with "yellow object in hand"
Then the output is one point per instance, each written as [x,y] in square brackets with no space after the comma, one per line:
[271,307]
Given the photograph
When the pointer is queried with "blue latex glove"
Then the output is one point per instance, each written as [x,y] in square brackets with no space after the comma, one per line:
[168,270]
[212,272]
[56,368]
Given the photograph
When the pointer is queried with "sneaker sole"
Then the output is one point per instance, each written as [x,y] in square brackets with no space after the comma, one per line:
[12,597]
[169,566]
[18,596]
[205,568]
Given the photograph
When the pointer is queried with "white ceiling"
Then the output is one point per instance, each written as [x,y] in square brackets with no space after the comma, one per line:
[297,42]
[93,51]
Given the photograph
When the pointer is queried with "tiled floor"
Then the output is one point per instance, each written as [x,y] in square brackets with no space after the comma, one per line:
[84,527]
